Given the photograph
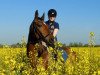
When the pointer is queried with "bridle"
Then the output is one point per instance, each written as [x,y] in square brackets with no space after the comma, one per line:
[40,34]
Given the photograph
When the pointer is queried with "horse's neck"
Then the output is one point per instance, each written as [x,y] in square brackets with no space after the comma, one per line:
[32,37]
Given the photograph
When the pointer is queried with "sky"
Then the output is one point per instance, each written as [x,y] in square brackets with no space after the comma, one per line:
[76,18]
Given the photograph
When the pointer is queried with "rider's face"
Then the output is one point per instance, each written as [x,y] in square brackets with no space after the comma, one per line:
[51,18]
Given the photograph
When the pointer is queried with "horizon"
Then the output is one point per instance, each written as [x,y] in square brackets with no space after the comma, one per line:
[76,19]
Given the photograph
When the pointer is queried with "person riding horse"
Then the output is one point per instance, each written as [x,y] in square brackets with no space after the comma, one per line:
[53,26]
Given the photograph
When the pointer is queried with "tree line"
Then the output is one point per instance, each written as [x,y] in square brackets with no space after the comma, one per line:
[72,44]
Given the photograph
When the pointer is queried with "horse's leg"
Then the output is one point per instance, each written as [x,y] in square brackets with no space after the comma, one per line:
[45,57]
[31,54]
[45,60]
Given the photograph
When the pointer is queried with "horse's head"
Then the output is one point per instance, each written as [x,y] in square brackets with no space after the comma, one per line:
[42,30]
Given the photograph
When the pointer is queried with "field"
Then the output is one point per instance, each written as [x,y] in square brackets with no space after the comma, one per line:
[13,61]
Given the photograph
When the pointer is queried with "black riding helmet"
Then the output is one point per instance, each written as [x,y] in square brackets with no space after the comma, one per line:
[52,13]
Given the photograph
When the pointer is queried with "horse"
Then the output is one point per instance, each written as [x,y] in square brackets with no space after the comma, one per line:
[38,32]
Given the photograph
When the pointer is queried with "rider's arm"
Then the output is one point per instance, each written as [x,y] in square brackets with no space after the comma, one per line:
[56,29]
[55,32]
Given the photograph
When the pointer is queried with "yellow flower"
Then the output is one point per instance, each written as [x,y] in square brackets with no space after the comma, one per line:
[42,69]
[13,62]
[6,62]
[12,73]
[53,74]
[21,64]
[2,74]
[50,48]
[6,57]
[98,72]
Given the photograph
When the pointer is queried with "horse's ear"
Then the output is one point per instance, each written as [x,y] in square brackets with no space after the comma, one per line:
[43,16]
[36,14]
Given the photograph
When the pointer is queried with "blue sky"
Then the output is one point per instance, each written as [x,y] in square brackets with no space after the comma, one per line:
[76,19]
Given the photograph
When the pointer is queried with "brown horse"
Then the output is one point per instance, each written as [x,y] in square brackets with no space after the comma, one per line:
[38,32]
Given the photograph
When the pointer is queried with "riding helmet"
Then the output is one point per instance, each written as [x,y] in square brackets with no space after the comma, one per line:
[52,13]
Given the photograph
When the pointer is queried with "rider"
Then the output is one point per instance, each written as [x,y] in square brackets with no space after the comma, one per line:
[53,26]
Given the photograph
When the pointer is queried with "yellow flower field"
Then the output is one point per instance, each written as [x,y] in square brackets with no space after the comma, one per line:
[13,61]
